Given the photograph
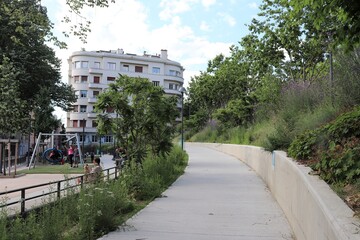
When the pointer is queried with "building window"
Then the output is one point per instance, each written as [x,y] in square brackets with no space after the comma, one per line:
[156,70]
[96,79]
[94,138]
[111,66]
[125,68]
[84,78]
[96,93]
[173,86]
[172,73]
[75,108]
[83,93]
[108,139]
[94,124]
[96,64]
[76,79]
[75,123]
[111,78]
[82,123]
[81,137]
[139,69]
[109,110]
[81,64]
[83,108]
[156,83]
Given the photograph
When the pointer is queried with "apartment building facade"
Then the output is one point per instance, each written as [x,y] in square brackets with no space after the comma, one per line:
[91,72]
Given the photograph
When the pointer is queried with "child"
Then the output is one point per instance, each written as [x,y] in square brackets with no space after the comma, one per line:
[86,173]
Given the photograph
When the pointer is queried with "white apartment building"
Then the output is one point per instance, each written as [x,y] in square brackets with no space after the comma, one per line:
[90,72]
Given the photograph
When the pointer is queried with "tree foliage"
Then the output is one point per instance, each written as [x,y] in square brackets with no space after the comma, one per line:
[14,117]
[139,114]
[25,30]
[342,16]
[282,46]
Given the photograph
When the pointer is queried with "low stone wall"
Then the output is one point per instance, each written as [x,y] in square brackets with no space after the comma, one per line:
[313,210]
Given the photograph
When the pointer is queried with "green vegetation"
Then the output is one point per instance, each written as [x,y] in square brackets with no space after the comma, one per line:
[291,84]
[99,208]
[29,70]
[145,116]
[333,149]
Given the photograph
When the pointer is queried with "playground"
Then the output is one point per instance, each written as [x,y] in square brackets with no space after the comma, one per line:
[66,150]
[54,153]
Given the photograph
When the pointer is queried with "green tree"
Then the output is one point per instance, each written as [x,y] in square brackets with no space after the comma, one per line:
[342,16]
[139,114]
[286,44]
[44,121]
[25,30]
[14,117]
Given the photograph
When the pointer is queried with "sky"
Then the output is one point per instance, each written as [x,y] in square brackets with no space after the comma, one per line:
[192,31]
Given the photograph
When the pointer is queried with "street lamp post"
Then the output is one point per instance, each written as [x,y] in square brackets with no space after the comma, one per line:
[182,90]
[331,77]
[83,139]
[100,145]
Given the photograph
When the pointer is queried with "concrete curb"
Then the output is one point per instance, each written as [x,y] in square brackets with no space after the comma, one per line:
[312,208]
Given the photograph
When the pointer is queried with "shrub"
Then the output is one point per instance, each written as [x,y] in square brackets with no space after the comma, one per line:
[304,145]
[336,147]
[340,164]
[149,180]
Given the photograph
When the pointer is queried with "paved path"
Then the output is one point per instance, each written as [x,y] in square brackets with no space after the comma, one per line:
[218,198]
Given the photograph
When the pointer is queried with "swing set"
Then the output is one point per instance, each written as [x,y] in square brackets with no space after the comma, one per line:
[53,154]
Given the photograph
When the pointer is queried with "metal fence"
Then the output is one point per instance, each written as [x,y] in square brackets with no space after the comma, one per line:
[22,200]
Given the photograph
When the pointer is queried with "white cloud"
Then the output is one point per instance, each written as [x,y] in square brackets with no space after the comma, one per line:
[204,26]
[173,7]
[208,3]
[126,26]
[253,5]
[231,21]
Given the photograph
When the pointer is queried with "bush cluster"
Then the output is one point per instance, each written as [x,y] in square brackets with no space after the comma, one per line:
[335,148]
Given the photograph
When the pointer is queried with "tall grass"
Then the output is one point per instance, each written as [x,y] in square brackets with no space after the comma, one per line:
[303,106]
[208,134]
[97,208]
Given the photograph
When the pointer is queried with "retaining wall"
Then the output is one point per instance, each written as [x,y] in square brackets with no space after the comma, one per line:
[313,210]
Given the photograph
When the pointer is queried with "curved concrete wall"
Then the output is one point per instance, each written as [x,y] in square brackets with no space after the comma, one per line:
[314,211]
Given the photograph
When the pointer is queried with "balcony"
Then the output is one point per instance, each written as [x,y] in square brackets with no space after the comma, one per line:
[96,71]
[172,78]
[91,115]
[80,130]
[77,115]
[172,91]
[92,100]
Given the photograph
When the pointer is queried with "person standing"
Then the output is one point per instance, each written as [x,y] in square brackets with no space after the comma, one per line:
[71,155]
[76,157]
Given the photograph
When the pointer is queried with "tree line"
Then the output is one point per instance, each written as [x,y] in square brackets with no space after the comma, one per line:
[307,49]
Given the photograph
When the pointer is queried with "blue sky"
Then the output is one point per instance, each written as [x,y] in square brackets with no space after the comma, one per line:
[193,31]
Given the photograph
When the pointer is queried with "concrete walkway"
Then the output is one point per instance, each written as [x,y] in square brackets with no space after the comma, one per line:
[218,198]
